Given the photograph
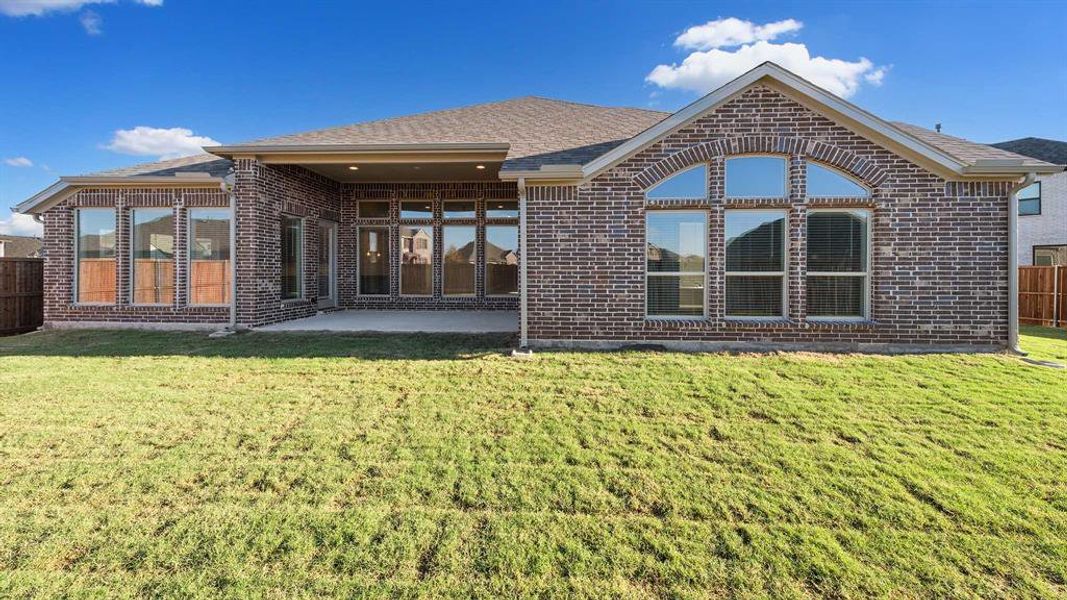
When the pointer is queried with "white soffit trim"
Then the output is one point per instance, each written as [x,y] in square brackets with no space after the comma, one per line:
[801,86]
[67,186]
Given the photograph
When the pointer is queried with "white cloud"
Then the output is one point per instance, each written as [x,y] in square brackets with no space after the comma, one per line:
[20,224]
[732,31]
[18,161]
[91,22]
[727,48]
[154,141]
[37,8]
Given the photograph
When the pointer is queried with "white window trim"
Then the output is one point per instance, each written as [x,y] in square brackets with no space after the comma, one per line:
[400,259]
[783,273]
[703,316]
[190,240]
[388,268]
[77,251]
[302,295]
[133,260]
[865,274]
[848,176]
[485,262]
[707,175]
[444,263]
[785,175]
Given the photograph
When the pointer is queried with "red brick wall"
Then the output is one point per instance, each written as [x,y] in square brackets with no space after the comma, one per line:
[938,269]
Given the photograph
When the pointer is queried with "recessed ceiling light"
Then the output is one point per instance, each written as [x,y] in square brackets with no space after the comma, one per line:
[479,166]
[353,168]
[417,168]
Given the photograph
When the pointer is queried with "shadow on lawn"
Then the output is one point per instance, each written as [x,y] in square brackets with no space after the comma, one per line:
[123,343]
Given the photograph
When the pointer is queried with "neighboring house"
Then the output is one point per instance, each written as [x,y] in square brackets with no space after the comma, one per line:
[769,213]
[1042,205]
[19,246]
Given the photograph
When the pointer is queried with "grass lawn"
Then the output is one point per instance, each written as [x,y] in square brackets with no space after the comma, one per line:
[170,464]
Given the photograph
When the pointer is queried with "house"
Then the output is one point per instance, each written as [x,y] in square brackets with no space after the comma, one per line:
[1042,204]
[768,214]
[19,246]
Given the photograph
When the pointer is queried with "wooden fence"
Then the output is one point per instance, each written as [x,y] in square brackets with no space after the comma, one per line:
[21,294]
[1043,296]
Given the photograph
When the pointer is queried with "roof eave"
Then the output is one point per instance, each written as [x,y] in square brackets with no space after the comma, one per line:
[355,149]
[1012,170]
[69,185]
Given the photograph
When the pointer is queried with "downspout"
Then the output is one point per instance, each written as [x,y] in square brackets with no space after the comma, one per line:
[228,186]
[1013,264]
[523,257]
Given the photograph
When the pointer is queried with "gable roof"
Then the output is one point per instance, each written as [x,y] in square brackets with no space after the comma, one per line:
[535,130]
[1051,151]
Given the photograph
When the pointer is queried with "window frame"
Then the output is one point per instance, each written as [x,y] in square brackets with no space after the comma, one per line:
[726,169]
[703,316]
[388,267]
[866,274]
[77,254]
[707,185]
[784,274]
[302,293]
[133,260]
[485,260]
[807,188]
[1038,199]
[1036,247]
[190,241]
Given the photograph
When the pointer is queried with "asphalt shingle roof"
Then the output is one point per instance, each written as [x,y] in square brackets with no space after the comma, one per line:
[1050,151]
[21,245]
[963,150]
[198,163]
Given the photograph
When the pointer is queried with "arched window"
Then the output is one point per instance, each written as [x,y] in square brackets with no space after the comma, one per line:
[756,177]
[691,183]
[825,182]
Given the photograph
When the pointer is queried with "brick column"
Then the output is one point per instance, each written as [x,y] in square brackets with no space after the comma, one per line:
[797,268]
[181,252]
[247,251]
[716,267]
[122,252]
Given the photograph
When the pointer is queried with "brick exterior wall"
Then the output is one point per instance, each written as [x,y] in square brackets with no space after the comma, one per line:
[939,249]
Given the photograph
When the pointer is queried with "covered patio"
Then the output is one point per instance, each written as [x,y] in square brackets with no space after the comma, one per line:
[405,321]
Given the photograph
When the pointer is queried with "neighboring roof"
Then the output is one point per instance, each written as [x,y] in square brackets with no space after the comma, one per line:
[557,130]
[964,150]
[198,163]
[1050,151]
[945,154]
[21,246]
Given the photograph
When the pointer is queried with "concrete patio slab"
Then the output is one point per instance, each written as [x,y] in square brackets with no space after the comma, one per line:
[405,321]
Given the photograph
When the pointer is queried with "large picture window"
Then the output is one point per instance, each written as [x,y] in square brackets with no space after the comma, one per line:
[416,260]
[96,270]
[460,259]
[210,253]
[501,260]
[292,257]
[755,263]
[676,257]
[838,264]
[152,269]
[374,261]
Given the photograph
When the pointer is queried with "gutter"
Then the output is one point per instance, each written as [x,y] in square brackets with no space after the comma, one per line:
[524,341]
[1013,264]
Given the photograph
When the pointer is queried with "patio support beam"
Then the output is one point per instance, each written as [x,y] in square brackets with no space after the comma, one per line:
[523,257]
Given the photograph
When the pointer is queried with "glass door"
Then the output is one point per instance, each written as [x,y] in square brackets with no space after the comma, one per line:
[327,264]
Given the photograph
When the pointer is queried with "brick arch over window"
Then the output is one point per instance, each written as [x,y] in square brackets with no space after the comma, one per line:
[862,169]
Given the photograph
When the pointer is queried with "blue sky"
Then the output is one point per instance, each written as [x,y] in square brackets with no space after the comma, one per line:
[230,71]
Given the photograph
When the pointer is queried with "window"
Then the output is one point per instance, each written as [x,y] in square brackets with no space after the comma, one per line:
[838,263]
[691,183]
[292,257]
[501,260]
[209,256]
[459,209]
[824,182]
[1050,255]
[374,261]
[460,257]
[1030,199]
[502,209]
[374,209]
[96,271]
[755,263]
[756,177]
[416,260]
[152,268]
[676,254]
[422,209]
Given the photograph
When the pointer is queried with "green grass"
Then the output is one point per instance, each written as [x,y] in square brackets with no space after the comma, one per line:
[138,464]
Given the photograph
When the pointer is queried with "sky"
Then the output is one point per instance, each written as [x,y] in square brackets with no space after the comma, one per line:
[93,85]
